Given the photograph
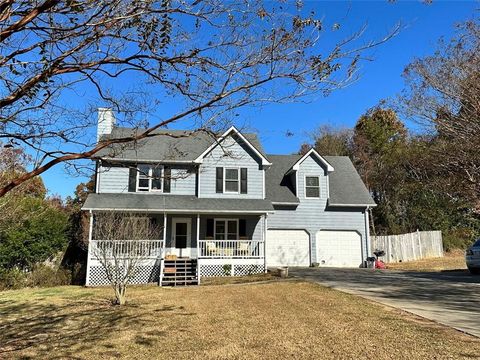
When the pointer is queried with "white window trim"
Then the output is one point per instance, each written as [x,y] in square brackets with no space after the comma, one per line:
[225,180]
[150,179]
[226,228]
[305,187]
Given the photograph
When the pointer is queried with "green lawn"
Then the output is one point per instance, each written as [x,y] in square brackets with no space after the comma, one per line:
[278,320]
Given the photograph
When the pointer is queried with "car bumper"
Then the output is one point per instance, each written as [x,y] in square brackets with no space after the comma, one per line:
[472,262]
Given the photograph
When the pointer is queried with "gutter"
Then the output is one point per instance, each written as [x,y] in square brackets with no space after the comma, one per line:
[120,160]
[352,205]
[185,211]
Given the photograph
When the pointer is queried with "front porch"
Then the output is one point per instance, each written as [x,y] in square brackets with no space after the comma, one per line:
[219,244]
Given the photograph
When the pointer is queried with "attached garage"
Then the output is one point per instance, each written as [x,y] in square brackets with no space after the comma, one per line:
[339,248]
[287,248]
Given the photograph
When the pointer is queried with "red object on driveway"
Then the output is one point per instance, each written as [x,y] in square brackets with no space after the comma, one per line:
[379,264]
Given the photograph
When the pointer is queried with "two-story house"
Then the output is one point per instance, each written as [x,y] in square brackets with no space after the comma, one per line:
[225,207]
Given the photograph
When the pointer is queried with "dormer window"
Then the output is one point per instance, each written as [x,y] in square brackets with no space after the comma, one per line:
[312,186]
[149,178]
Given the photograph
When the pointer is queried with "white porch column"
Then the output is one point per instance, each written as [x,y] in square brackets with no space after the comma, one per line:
[89,252]
[164,234]
[198,248]
[198,232]
[265,241]
[162,255]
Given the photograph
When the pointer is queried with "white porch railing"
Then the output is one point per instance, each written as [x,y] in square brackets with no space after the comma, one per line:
[231,249]
[142,249]
[153,249]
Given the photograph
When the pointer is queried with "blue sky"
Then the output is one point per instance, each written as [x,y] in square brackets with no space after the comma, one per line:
[381,78]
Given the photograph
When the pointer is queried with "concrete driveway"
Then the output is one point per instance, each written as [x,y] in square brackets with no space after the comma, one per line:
[451,298]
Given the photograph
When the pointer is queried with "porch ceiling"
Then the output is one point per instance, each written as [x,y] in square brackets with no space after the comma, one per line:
[174,203]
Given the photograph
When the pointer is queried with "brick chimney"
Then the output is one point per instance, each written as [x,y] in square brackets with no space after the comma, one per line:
[106,122]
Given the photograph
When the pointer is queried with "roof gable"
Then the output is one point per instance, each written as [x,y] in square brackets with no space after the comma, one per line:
[233,131]
[312,152]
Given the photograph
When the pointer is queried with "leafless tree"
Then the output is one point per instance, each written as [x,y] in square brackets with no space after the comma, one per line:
[206,58]
[443,93]
[120,247]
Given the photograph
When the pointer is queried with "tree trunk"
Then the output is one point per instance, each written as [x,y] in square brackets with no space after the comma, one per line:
[120,294]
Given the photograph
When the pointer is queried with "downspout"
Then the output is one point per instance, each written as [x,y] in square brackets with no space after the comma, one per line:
[367,232]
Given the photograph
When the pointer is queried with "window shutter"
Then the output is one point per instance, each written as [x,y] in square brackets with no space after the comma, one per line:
[219,181]
[242,227]
[243,180]
[132,180]
[167,178]
[210,224]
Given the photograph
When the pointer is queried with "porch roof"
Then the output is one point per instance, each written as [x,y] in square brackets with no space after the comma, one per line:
[174,203]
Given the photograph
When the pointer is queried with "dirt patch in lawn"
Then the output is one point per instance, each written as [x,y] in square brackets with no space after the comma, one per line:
[280,320]
[451,261]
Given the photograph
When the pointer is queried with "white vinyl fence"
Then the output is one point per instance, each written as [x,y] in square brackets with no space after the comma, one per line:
[408,247]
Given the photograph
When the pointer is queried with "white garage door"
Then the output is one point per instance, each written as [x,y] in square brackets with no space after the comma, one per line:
[339,248]
[287,248]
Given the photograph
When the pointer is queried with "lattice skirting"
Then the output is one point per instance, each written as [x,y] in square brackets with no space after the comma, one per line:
[213,270]
[144,274]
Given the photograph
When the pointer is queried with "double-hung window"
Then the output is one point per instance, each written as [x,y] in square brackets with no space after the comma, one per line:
[226,229]
[232,180]
[149,178]
[312,186]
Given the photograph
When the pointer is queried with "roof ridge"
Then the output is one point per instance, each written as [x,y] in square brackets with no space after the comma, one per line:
[178,130]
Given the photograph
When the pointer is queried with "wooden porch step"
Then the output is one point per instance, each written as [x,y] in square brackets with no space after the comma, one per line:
[179,272]
[179,282]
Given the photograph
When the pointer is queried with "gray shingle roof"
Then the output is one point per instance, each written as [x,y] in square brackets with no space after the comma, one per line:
[169,145]
[346,186]
[157,202]
[277,186]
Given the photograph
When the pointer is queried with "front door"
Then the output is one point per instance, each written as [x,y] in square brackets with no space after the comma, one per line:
[182,236]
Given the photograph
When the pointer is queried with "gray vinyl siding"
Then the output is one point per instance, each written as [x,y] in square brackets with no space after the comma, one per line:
[257,227]
[183,181]
[112,179]
[231,154]
[115,180]
[312,215]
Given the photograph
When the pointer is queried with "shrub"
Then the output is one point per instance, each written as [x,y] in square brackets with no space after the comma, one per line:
[457,238]
[12,279]
[46,276]
[40,276]
[36,237]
